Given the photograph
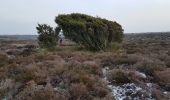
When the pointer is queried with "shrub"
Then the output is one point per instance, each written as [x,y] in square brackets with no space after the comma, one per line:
[92,67]
[48,38]
[88,80]
[5,86]
[27,52]
[157,94]
[93,33]
[3,60]
[121,60]
[101,91]
[150,68]
[32,91]
[167,62]
[23,73]
[168,53]
[78,91]
[116,60]
[118,77]
[162,77]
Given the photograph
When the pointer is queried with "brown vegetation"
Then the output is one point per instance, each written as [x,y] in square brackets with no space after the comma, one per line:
[70,73]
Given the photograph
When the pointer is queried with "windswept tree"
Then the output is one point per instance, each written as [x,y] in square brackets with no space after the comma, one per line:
[48,37]
[93,33]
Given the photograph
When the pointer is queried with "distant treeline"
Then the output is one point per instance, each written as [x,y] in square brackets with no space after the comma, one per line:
[148,36]
[18,37]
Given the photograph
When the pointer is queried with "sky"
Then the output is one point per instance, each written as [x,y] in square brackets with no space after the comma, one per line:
[135,16]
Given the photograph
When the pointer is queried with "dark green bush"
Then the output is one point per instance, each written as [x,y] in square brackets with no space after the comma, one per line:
[48,38]
[3,60]
[91,32]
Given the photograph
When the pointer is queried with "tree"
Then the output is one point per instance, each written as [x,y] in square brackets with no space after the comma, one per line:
[48,38]
[93,33]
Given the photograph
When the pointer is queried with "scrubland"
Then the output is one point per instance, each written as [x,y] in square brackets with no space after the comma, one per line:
[139,68]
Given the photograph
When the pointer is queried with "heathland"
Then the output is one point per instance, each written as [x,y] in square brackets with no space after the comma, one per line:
[138,68]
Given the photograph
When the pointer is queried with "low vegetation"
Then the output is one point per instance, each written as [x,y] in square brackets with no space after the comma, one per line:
[162,77]
[3,60]
[118,77]
[150,68]
[135,69]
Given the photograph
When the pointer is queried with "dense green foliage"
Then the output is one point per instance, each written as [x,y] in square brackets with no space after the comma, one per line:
[48,38]
[92,32]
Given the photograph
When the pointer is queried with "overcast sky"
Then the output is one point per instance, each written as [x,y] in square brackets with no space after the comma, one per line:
[22,16]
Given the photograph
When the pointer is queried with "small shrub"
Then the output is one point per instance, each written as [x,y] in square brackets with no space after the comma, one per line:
[150,68]
[162,77]
[88,80]
[108,61]
[134,58]
[157,94]
[78,91]
[5,87]
[101,91]
[136,76]
[92,67]
[32,91]
[23,77]
[167,62]
[3,60]
[168,53]
[118,77]
[24,74]
[114,47]
[121,60]
[48,38]
[116,60]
